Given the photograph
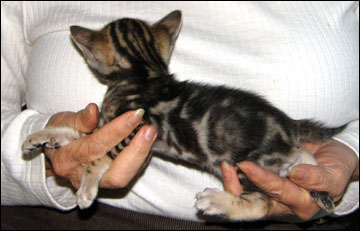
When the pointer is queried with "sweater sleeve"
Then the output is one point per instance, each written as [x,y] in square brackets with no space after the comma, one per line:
[23,180]
[350,201]
[350,137]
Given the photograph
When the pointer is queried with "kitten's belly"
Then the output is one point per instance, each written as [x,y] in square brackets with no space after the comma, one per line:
[299,156]
[211,164]
[162,148]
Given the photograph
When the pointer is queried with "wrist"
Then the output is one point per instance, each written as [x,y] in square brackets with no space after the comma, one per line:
[352,160]
[48,168]
[355,176]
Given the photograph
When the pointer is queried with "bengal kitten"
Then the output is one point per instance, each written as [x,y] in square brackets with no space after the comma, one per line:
[196,123]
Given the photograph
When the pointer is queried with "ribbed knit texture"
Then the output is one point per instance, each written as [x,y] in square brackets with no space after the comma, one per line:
[302,56]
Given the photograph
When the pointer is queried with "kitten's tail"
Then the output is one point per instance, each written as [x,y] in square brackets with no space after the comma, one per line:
[308,130]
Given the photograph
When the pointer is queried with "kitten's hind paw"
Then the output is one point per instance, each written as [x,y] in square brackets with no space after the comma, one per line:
[86,195]
[246,207]
[323,200]
[213,201]
[85,199]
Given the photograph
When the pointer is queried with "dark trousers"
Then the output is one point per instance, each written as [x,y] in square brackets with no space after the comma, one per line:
[102,216]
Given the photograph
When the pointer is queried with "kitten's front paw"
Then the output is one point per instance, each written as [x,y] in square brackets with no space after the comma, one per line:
[37,140]
[50,138]
[32,143]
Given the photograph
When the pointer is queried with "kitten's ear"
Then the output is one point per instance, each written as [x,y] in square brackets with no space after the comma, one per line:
[83,38]
[81,35]
[166,31]
[93,45]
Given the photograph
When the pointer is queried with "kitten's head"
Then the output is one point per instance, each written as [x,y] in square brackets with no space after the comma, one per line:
[128,45]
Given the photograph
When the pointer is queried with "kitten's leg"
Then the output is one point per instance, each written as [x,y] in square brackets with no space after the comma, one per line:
[246,207]
[52,137]
[90,181]
[95,170]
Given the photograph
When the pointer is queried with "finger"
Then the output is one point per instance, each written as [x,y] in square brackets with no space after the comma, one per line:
[230,178]
[127,164]
[311,177]
[282,192]
[277,208]
[87,119]
[111,134]
[311,146]
[277,187]
[84,121]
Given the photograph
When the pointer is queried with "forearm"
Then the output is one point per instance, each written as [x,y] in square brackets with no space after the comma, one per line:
[23,180]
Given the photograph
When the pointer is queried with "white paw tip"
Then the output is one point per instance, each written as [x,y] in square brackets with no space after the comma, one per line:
[213,210]
[202,204]
[84,204]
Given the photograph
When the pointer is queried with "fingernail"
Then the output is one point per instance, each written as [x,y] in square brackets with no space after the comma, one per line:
[241,166]
[297,173]
[135,118]
[226,170]
[87,110]
[225,165]
[150,134]
[140,112]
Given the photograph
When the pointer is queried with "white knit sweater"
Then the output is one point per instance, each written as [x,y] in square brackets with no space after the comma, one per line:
[302,56]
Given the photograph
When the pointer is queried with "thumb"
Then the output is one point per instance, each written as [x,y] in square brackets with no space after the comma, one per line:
[86,120]
[310,177]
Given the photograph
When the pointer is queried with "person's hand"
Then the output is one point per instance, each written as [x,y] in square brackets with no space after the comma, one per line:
[337,166]
[68,161]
